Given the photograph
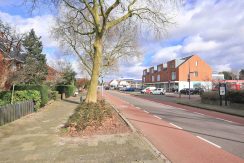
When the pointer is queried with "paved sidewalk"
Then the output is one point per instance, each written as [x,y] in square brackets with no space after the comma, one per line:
[35,138]
[175,144]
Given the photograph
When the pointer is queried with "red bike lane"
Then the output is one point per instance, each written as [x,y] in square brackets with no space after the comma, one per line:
[177,145]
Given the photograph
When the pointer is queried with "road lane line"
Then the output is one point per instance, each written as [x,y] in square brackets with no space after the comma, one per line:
[176,126]
[198,113]
[229,121]
[181,109]
[220,119]
[225,120]
[209,142]
[145,111]
[157,117]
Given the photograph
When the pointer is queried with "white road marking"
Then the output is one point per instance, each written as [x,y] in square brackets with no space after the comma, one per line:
[209,142]
[229,121]
[180,109]
[138,108]
[220,119]
[145,111]
[176,126]
[157,117]
[225,120]
[198,113]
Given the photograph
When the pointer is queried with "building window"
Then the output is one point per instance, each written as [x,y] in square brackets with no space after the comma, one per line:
[172,65]
[152,70]
[196,74]
[159,68]
[173,75]
[158,78]
[144,79]
[144,72]
[152,78]
[196,63]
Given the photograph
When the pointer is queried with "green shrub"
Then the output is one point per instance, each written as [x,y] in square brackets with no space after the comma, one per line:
[43,89]
[53,95]
[232,96]
[89,114]
[20,96]
[28,95]
[236,96]
[210,96]
[5,97]
[67,89]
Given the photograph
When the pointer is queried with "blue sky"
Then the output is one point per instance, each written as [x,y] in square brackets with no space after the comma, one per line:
[213,29]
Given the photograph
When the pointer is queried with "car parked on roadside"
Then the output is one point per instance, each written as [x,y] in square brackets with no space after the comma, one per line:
[130,89]
[186,91]
[198,91]
[148,90]
[158,91]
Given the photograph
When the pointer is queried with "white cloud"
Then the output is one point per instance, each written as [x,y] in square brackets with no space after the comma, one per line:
[197,44]
[166,54]
[224,67]
[41,24]
[213,29]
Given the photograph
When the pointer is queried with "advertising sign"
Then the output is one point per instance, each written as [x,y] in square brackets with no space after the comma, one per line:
[221,91]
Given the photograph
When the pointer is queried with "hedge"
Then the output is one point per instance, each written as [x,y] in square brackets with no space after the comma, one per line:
[232,96]
[20,96]
[53,95]
[67,89]
[236,96]
[43,89]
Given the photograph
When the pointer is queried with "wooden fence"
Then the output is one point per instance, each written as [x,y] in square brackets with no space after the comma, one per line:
[11,112]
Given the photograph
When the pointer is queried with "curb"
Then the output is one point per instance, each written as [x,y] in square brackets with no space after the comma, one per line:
[134,130]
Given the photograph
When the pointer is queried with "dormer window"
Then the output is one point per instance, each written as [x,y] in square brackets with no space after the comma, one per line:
[159,68]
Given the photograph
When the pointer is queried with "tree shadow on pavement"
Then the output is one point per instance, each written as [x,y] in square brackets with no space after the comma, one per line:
[71,101]
[238,141]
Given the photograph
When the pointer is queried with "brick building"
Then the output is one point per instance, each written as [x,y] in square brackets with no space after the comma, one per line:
[8,66]
[174,74]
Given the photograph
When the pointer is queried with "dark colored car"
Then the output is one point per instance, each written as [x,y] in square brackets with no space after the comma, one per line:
[186,91]
[198,91]
[106,88]
[130,89]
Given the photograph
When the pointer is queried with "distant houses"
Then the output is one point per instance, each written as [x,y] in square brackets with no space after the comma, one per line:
[125,82]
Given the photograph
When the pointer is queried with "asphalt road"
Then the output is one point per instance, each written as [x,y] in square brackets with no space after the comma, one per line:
[218,132]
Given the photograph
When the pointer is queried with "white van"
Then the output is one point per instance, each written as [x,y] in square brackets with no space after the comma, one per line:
[148,90]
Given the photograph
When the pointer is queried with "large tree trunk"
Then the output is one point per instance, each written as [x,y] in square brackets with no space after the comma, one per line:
[92,90]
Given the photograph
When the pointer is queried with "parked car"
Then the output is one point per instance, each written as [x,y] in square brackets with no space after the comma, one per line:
[107,88]
[122,88]
[147,90]
[158,91]
[186,91]
[198,91]
[130,89]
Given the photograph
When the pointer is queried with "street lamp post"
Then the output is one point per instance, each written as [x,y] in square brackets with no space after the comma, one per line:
[189,80]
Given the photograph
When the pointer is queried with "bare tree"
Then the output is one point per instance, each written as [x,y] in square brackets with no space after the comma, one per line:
[91,20]
[11,50]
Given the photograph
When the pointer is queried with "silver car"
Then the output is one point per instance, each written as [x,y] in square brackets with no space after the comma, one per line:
[158,91]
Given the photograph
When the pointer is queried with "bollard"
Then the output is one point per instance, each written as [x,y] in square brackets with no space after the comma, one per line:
[81,99]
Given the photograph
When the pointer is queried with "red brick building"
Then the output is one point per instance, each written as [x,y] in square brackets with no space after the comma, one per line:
[7,67]
[174,74]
